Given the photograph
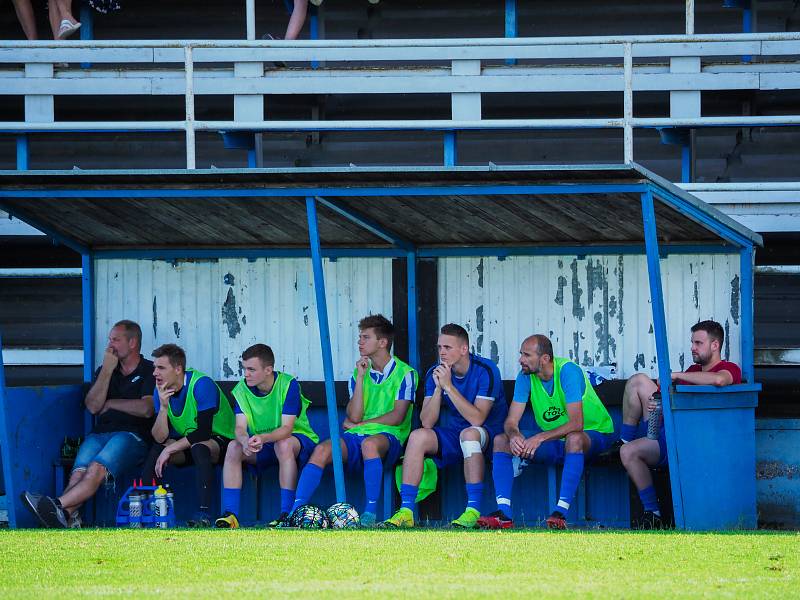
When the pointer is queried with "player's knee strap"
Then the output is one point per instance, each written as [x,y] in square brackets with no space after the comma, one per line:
[470,447]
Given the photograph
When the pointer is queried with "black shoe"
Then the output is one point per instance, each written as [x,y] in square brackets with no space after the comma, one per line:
[46,509]
[650,520]
[282,520]
[200,520]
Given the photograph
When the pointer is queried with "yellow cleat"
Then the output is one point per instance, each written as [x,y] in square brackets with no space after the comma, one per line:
[227,521]
[402,519]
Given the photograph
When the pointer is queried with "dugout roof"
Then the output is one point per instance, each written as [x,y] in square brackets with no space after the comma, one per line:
[361,207]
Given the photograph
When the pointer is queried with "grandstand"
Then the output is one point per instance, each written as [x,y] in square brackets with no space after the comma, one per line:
[703,94]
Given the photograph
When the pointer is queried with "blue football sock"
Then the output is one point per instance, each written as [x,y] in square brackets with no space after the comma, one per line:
[503,475]
[231,498]
[628,433]
[307,485]
[570,478]
[408,496]
[373,474]
[649,499]
[474,495]
[287,499]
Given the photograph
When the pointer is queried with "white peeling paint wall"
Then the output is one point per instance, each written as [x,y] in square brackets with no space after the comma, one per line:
[216,309]
[596,309]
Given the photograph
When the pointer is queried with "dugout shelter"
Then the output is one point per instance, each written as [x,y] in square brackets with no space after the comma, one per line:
[407,213]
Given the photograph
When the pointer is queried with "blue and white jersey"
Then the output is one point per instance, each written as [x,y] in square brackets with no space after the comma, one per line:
[406,391]
[482,381]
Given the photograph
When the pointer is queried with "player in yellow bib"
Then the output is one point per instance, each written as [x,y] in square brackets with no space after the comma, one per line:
[378,416]
[194,423]
[573,425]
[272,428]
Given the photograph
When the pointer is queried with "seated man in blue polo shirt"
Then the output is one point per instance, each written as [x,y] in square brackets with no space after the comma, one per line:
[464,409]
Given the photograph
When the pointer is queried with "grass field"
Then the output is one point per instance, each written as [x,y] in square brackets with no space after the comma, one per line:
[420,563]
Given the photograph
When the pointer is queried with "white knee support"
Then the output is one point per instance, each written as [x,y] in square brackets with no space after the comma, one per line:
[470,447]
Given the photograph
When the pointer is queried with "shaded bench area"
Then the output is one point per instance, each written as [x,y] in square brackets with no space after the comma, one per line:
[373,212]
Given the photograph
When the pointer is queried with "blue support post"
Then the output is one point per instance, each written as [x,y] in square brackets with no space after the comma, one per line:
[450,150]
[686,163]
[511,24]
[87,301]
[413,341]
[313,26]
[23,152]
[746,296]
[747,26]
[325,339]
[662,347]
[5,445]
[87,27]
[251,159]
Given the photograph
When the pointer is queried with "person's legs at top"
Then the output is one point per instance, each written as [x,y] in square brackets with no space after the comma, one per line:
[297,19]
[27,18]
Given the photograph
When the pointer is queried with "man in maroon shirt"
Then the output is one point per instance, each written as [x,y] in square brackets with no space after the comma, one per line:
[638,455]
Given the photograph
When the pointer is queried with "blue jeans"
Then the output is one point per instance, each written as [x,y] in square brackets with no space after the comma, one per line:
[117,451]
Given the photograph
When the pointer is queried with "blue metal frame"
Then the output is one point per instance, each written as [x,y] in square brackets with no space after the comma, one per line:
[23,152]
[510,24]
[87,27]
[88,326]
[662,346]
[56,237]
[705,219]
[686,163]
[325,341]
[344,192]
[450,149]
[746,256]
[313,29]
[421,252]
[5,447]
[367,223]
[413,334]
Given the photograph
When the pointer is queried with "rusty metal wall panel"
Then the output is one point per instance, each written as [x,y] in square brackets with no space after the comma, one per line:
[215,309]
[595,309]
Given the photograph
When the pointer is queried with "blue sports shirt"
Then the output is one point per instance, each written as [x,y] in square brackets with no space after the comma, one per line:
[482,380]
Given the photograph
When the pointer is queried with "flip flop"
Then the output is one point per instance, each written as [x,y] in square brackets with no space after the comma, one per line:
[67,29]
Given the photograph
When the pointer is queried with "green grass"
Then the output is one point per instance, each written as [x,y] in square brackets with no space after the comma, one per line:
[418,564]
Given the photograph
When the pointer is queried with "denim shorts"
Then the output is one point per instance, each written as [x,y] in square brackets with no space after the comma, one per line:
[117,451]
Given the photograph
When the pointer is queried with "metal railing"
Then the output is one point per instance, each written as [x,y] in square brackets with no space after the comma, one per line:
[463,68]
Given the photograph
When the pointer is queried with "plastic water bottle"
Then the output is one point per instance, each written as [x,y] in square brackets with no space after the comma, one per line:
[162,507]
[654,420]
[135,510]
